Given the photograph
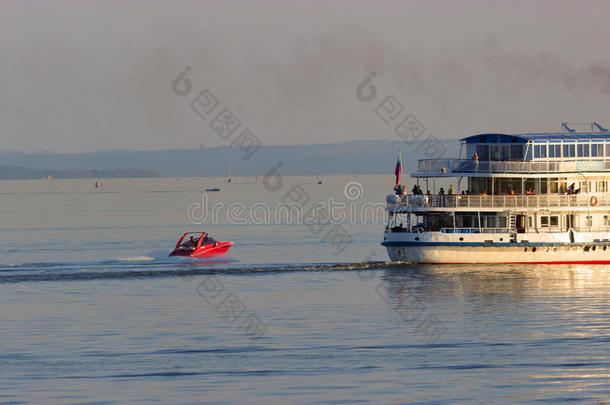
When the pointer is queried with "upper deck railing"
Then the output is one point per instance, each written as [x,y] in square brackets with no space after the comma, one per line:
[499,201]
[445,167]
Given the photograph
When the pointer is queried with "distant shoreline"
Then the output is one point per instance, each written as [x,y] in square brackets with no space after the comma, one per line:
[362,157]
[27,173]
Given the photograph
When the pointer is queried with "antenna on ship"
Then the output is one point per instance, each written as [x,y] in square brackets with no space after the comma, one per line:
[565,127]
[582,126]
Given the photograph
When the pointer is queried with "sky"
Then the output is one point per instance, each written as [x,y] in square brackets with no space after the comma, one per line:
[80,75]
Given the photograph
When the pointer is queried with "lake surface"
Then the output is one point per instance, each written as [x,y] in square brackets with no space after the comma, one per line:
[92,311]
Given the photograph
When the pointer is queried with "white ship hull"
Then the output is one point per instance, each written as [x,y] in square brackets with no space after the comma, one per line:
[564,254]
[440,248]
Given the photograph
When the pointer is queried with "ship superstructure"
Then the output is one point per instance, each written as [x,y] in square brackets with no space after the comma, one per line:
[517,198]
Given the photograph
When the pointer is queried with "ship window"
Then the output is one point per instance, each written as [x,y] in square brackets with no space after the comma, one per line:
[539,151]
[483,152]
[584,186]
[608,149]
[501,222]
[554,151]
[601,186]
[529,222]
[606,223]
[554,220]
[516,152]
[589,220]
[544,222]
[568,151]
[583,150]
[504,152]
[493,152]
[596,149]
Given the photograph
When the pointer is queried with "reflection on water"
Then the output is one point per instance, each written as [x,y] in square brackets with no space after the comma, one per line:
[542,331]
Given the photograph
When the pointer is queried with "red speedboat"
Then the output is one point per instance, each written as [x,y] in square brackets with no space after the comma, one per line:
[199,244]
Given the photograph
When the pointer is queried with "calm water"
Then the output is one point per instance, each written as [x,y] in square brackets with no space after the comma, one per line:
[93,310]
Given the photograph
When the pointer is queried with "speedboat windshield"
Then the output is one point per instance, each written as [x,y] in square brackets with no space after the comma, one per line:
[190,240]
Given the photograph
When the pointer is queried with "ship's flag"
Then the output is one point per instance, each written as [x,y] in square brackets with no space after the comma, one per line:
[397,171]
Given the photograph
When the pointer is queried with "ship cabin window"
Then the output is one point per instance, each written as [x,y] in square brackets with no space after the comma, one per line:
[597,149]
[504,152]
[490,222]
[529,222]
[467,221]
[606,220]
[501,222]
[601,186]
[516,152]
[569,150]
[554,220]
[554,151]
[539,151]
[483,152]
[608,149]
[583,150]
[544,221]
[493,152]
[558,185]
[589,220]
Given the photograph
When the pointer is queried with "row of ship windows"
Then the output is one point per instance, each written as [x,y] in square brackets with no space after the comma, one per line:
[553,220]
[546,221]
[516,152]
[541,186]
[571,150]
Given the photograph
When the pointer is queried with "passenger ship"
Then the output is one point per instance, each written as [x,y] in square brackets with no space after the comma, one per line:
[528,198]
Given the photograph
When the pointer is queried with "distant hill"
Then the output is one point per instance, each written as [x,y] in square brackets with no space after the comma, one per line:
[358,157]
[19,173]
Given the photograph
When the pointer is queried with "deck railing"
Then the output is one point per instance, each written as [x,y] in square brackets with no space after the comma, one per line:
[499,201]
[462,166]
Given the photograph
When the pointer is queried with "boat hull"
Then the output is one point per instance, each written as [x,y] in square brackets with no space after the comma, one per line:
[221,248]
[517,254]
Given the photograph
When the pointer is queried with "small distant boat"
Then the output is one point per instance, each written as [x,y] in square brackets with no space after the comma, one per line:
[230,179]
[212,189]
[199,244]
